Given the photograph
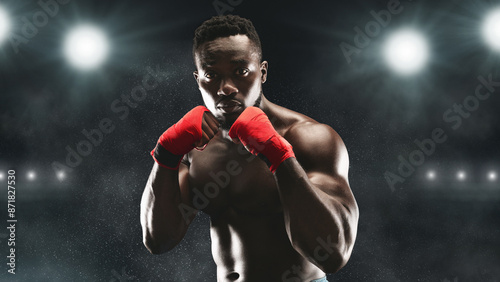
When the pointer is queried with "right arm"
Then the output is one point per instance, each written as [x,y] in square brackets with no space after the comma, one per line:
[163,224]
[166,209]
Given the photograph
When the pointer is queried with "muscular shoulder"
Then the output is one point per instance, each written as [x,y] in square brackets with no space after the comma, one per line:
[304,132]
[318,147]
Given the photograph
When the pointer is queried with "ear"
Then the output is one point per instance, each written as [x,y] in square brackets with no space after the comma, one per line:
[195,74]
[263,70]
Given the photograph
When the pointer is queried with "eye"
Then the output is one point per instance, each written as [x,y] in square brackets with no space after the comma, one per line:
[210,74]
[242,71]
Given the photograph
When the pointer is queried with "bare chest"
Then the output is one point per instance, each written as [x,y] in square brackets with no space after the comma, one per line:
[226,176]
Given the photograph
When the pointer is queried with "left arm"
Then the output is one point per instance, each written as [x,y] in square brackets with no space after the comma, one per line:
[321,214]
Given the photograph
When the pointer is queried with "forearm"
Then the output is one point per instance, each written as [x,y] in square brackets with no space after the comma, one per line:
[165,211]
[162,223]
[318,226]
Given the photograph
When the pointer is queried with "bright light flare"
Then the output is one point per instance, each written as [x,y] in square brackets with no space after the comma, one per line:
[4,24]
[2,176]
[492,176]
[61,175]
[31,175]
[491,29]
[86,47]
[431,175]
[461,175]
[406,51]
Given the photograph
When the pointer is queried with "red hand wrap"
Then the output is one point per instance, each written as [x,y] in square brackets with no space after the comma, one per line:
[179,139]
[256,132]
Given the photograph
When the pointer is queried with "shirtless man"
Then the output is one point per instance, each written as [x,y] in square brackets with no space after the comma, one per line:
[273,181]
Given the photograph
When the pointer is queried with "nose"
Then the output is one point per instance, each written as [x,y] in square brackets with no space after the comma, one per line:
[227,88]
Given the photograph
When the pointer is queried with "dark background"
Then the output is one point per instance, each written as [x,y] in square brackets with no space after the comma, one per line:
[86,226]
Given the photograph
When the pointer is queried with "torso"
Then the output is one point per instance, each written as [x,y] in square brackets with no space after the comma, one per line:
[249,239]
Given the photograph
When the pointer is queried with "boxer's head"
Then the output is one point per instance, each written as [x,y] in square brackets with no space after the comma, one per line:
[230,71]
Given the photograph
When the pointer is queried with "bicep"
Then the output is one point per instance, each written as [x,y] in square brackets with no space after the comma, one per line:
[323,156]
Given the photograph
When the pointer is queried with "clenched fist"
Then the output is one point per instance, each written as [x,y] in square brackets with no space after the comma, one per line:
[195,129]
[255,131]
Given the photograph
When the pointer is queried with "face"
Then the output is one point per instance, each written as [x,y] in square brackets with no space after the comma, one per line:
[230,76]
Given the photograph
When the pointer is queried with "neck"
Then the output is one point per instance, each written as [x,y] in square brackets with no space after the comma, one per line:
[265,105]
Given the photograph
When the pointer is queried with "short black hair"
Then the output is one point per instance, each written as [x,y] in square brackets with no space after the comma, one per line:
[224,26]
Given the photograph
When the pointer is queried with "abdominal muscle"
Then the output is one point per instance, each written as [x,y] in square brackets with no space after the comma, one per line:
[256,248]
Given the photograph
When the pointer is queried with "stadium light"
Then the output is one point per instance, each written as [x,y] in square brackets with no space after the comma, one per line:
[4,24]
[491,29]
[431,175]
[31,175]
[461,175]
[492,176]
[406,51]
[61,175]
[86,47]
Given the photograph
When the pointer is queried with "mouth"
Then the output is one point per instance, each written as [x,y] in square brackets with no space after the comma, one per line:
[229,107]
